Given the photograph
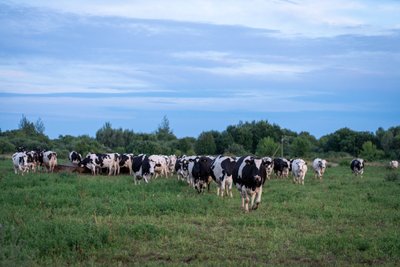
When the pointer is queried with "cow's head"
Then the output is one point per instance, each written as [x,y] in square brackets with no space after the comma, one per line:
[256,173]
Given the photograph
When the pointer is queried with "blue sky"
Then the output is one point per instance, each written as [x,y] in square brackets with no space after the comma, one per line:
[305,66]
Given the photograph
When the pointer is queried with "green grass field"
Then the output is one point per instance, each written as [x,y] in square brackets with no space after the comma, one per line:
[67,219]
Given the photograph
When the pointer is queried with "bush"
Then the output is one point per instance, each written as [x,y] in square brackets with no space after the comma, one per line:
[392,177]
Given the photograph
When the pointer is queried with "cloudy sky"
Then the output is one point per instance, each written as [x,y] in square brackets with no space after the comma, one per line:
[313,66]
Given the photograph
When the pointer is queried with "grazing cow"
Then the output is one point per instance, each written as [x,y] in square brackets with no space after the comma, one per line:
[20,162]
[357,166]
[319,166]
[249,177]
[181,168]
[142,167]
[222,170]
[299,170]
[74,157]
[125,161]
[95,162]
[281,167]
[50,160]
[201,173]
[394,164]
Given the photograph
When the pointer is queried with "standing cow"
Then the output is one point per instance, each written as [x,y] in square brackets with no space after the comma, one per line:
[201,173]
[357,166]
[95,162]
[249,177]
[181,168]
[319,166]
[74,157]
[281,167]
[49,160]
[394,164]
[299,170]
[222,170]
[20,162]
[142,168]
[125,161]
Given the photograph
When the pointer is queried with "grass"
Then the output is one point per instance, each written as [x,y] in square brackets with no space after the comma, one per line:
[67,219]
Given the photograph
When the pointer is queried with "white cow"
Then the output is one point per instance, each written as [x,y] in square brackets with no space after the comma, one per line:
[20,162]
[299,170]
[394,164]
[161,167]
[319,166]
[50,160]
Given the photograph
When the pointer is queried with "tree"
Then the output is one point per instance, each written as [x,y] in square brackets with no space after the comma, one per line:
[164,132]
[205,144]
[370,152]
[26,126]
[39,126]
[266,147]
[300,147]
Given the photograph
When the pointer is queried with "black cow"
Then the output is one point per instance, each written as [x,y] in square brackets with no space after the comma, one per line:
[142,167]
[282,167]
[125,161]
[201,173]
[249,177]
[357,166]
[222,170]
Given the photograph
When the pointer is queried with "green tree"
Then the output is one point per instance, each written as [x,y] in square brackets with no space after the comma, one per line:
[39,126]
[205,144]
[266,147]
[370,152]
[164,132]
[300,147]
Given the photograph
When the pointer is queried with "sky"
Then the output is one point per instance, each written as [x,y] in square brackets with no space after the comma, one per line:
[314,66]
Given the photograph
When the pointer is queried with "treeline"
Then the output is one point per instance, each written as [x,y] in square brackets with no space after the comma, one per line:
[257,137]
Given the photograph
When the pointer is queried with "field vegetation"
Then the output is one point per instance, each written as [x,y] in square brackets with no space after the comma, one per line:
[68,219]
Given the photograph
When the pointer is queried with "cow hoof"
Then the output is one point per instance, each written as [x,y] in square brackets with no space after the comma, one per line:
[255,206]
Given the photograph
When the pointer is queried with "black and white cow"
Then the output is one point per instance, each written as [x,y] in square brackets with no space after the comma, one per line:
[201,173]
[249,177]
[125,161]
[20,162]
[269,165]
[281,167]
[222,170]
[49,160]
[95,162]
[142,168]
[299,171]
[319,166]
[33,160]
[74,157]
[181,168]
[357,166]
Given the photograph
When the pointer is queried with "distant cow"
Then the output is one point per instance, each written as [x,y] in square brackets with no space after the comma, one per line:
[142,168]
[50,160]
[95,162]
[299,170]
[357,166]
[201,173]
[249,177]
[269,165]
[319,166]
[222,170]
[125,161]
[33,160]
[281,167]
[181,168]
[74,157]
[394,164]
[20,162]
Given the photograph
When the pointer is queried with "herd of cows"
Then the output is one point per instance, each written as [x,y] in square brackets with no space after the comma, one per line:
[247,173]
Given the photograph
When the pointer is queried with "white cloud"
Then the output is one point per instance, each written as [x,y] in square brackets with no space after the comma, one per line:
[312,18]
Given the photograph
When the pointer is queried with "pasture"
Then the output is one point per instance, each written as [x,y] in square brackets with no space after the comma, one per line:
[69,219]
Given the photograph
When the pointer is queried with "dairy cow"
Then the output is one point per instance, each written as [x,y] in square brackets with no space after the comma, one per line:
[20,162]
[222,169]
[201,173]
[161,167]
[319,166]
[299,170]
[394,164]
[181,168]
[281,167]
[49,160]
[125,161]
[249,177]
[74,157]
[95,162]
[357,166]
[33,160]
[142,168]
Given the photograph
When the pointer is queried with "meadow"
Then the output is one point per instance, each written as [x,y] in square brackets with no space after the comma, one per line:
[69,219]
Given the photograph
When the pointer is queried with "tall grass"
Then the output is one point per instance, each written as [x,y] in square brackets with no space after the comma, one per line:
[68,219]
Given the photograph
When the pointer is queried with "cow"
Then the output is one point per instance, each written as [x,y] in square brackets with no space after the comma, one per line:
[20,162]
[125,161]
[74,157]
[49,160]
[319,166]
[357,166]
[161,167]
[95,162]
[394,164]
[249,177]
[269,164]
[33,160]
[142,168]
[222,169]
[191,164]
[281,167]
[299,170]
[201,173]
[181,168]
[171,163]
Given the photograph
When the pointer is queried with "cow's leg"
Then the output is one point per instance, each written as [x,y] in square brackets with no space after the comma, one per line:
[258,198]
